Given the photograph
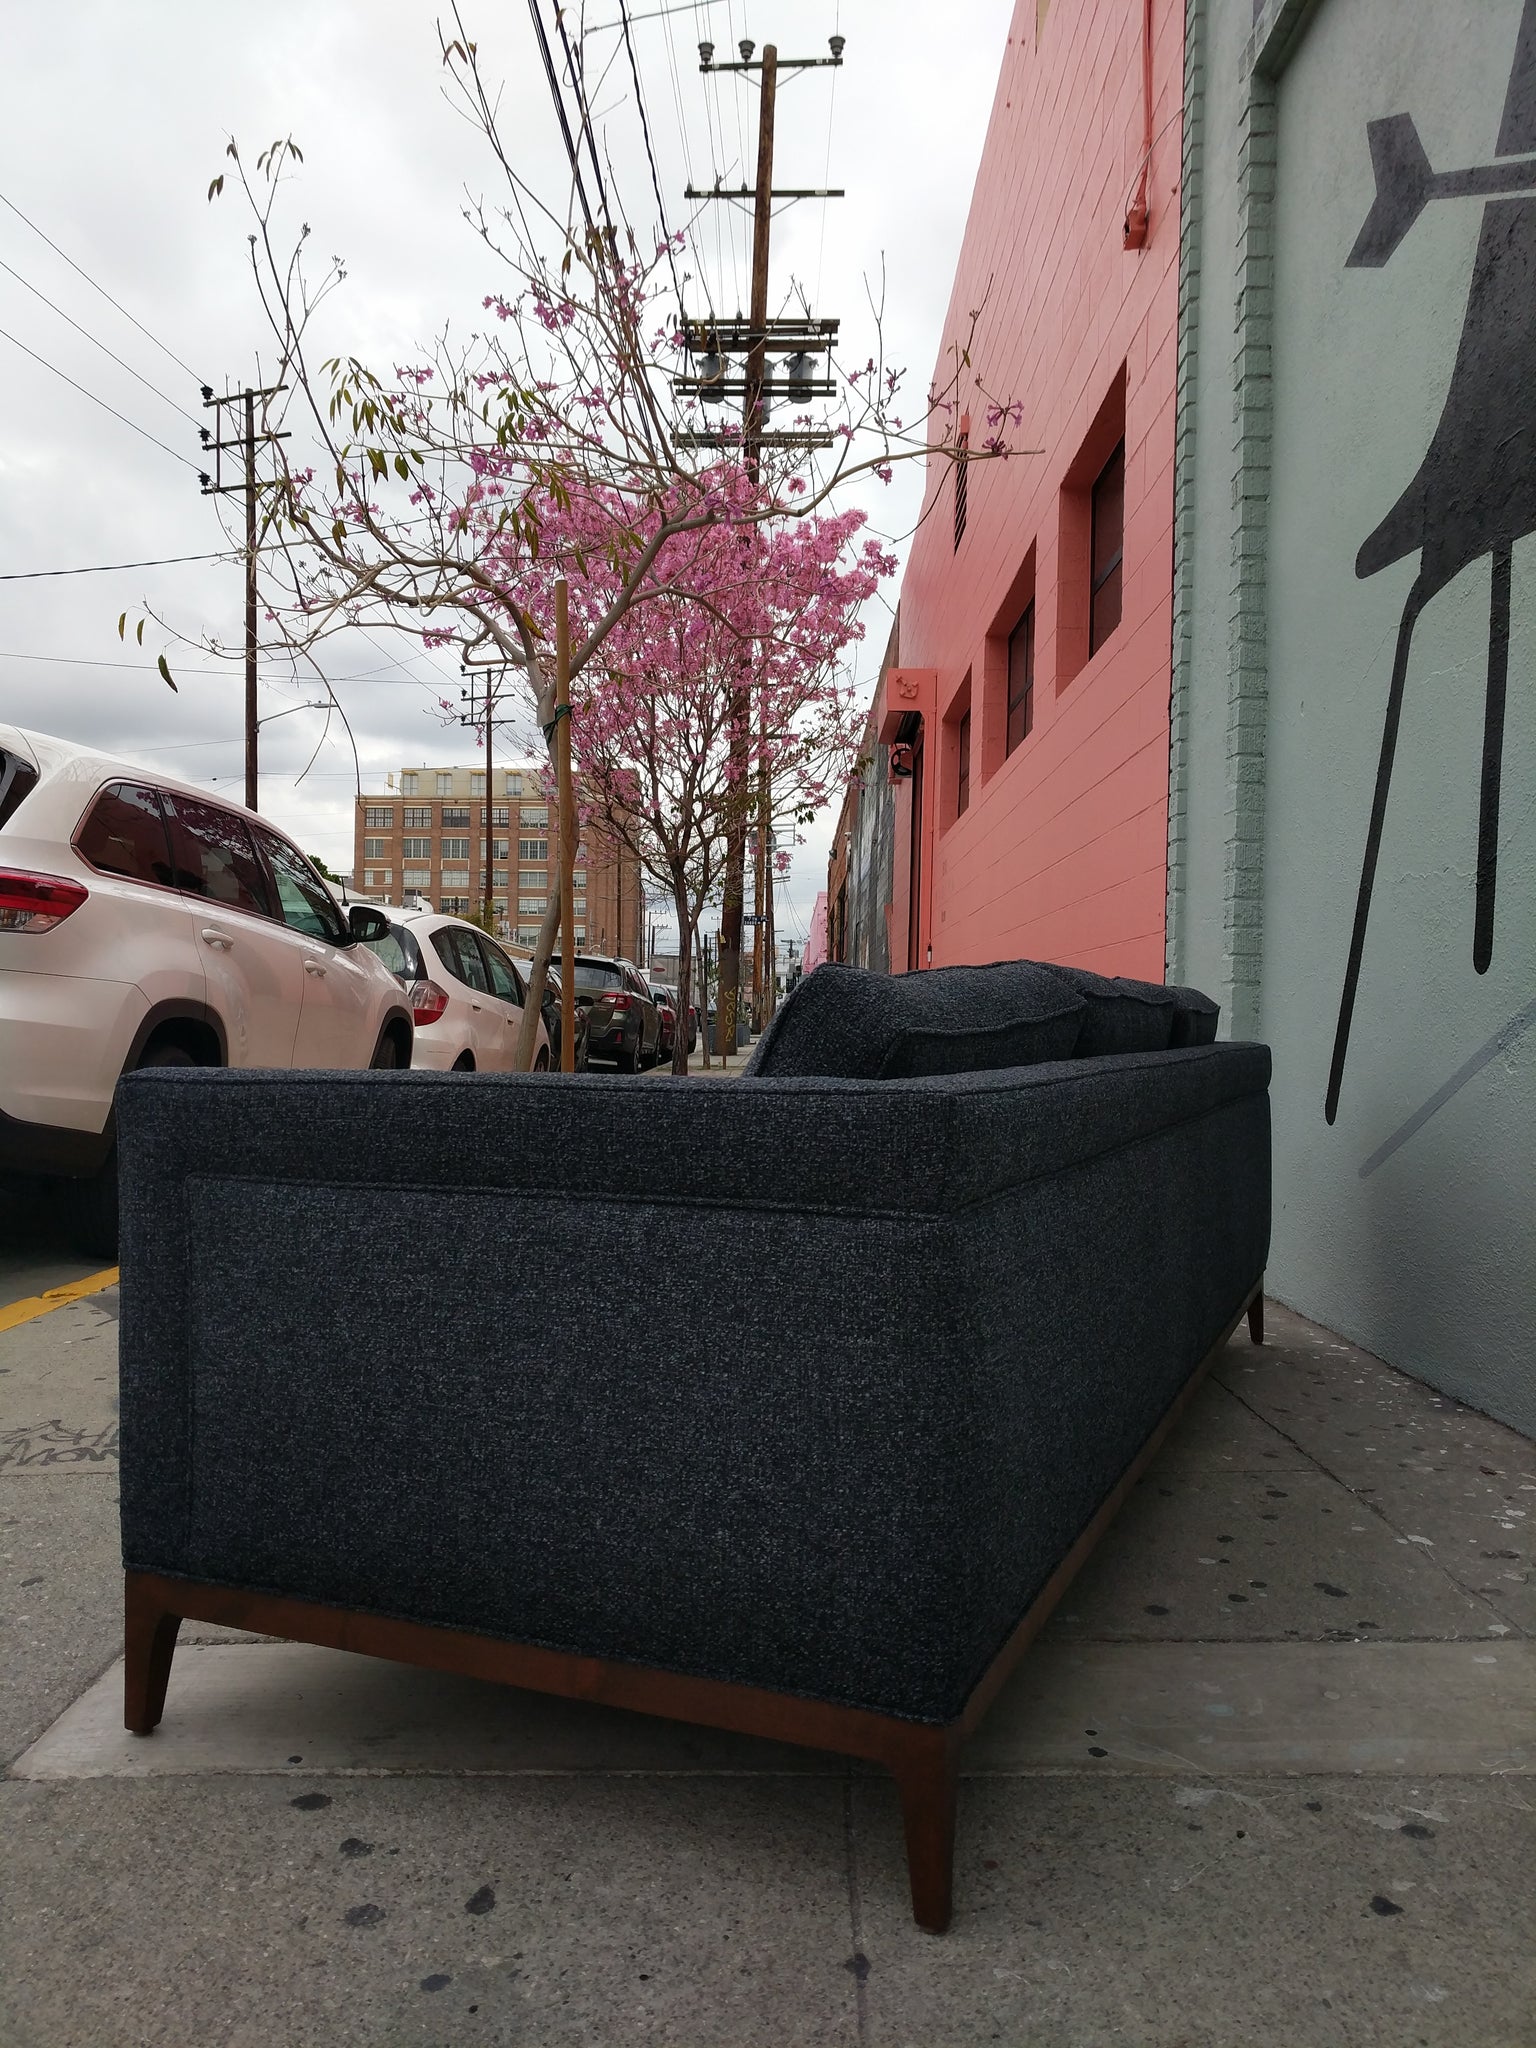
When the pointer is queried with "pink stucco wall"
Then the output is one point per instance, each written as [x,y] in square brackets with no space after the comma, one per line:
[1062,852]
[816,937]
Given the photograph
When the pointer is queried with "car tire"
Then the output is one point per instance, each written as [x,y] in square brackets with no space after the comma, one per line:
[541,1064]
[91,1205]
[386,1054]
[626,1061]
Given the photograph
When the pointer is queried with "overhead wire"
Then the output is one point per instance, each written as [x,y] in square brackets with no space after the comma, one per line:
[97,342]
[84,393]
[101,288]
[645,129]
[559,99]
[105,568]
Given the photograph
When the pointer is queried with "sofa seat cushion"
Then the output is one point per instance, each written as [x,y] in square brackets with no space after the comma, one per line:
[849,1022]
[1120,1015]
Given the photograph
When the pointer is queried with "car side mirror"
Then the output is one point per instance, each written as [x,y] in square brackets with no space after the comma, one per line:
[366,923]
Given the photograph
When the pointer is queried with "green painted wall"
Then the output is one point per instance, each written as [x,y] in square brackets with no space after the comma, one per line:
[1409,1224]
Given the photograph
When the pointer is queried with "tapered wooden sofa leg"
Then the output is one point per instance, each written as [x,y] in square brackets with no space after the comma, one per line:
[1256,1317]
[149,1643]
[926,1776]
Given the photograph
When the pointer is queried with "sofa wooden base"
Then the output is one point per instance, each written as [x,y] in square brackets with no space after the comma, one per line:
[923,1758]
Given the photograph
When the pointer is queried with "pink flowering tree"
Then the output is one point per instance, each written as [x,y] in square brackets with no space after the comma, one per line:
[443,496]
[762,612]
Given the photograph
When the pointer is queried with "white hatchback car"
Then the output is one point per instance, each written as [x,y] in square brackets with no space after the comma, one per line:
[466,996]
[145,923]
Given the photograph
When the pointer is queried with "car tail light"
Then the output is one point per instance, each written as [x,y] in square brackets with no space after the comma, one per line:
[428,1002]
[621,1002]
[36,903]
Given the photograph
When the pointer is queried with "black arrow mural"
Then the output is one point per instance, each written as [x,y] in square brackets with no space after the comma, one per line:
[1475,491]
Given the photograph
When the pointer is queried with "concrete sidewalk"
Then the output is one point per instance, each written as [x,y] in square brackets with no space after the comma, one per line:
[1269,1777]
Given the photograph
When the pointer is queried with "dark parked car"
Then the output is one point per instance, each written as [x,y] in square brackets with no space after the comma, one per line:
[549,1009]
[623,1023]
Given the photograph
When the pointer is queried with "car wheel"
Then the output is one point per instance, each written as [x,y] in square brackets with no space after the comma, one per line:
[541,1064]
[626,1061]
[92,1204]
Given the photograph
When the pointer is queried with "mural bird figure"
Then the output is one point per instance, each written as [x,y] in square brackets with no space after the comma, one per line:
[1475,491]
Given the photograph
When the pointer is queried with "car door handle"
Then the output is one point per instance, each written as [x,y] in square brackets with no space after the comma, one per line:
[474,1006]
[314,967]
[212,936]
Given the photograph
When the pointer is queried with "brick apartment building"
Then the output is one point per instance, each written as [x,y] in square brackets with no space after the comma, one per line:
[425,835]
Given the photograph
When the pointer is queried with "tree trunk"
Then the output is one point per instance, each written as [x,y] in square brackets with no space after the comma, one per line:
[538,976]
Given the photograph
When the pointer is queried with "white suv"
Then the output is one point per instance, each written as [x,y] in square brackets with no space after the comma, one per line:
[145,923]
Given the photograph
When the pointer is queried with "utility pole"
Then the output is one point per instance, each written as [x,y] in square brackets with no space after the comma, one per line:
[249,488]
[710,340]
[472,717]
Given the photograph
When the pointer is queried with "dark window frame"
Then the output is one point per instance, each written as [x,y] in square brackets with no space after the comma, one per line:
[963,763]
[1023,697]
[962,488]
[1108,574]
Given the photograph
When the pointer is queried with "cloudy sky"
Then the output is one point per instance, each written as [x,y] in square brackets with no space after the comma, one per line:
[116,120]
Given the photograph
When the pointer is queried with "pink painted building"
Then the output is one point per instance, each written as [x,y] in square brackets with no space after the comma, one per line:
[816,936]
[1028,713]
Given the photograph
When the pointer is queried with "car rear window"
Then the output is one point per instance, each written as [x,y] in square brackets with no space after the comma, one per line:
[124,834]
[594,975]
[398,950]
[214,856]
[18,778]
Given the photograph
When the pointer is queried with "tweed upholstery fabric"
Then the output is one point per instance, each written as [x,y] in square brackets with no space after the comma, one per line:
[1120,1015]
[1195,1017]
[847,1021]
[994,1286]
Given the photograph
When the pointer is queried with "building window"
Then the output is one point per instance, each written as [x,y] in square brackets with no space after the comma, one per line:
[377,878]
[455,849]
[458,879]
[498,849]
[534,814]
[477,782]
[453,906]
[379,818]
[1021,679]
[416,849]
[408,782]
[1108,549]
[963,760]
[445,782]
[416,878]
[535,878]
[532,906]
[962,463]
[579,877]
[418,818]
[498,814]
[498,878]
[533,849]
[375,849]
[512,783]
[455,814]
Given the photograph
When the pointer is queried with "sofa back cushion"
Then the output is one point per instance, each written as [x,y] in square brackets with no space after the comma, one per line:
[1195,1017]
[1121,1015]
[849,1022]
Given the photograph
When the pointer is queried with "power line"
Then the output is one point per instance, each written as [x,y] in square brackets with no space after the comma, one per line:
[645,129]
[559,99]
[98,343]
[103,568]
[95,287]
[148,436]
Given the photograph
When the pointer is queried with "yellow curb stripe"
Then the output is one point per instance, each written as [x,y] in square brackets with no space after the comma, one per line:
[56,1297]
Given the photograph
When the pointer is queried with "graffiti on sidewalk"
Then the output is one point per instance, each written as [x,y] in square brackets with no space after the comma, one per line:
[44,1444]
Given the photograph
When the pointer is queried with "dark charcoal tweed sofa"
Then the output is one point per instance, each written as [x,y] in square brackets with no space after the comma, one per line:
[391,1377]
